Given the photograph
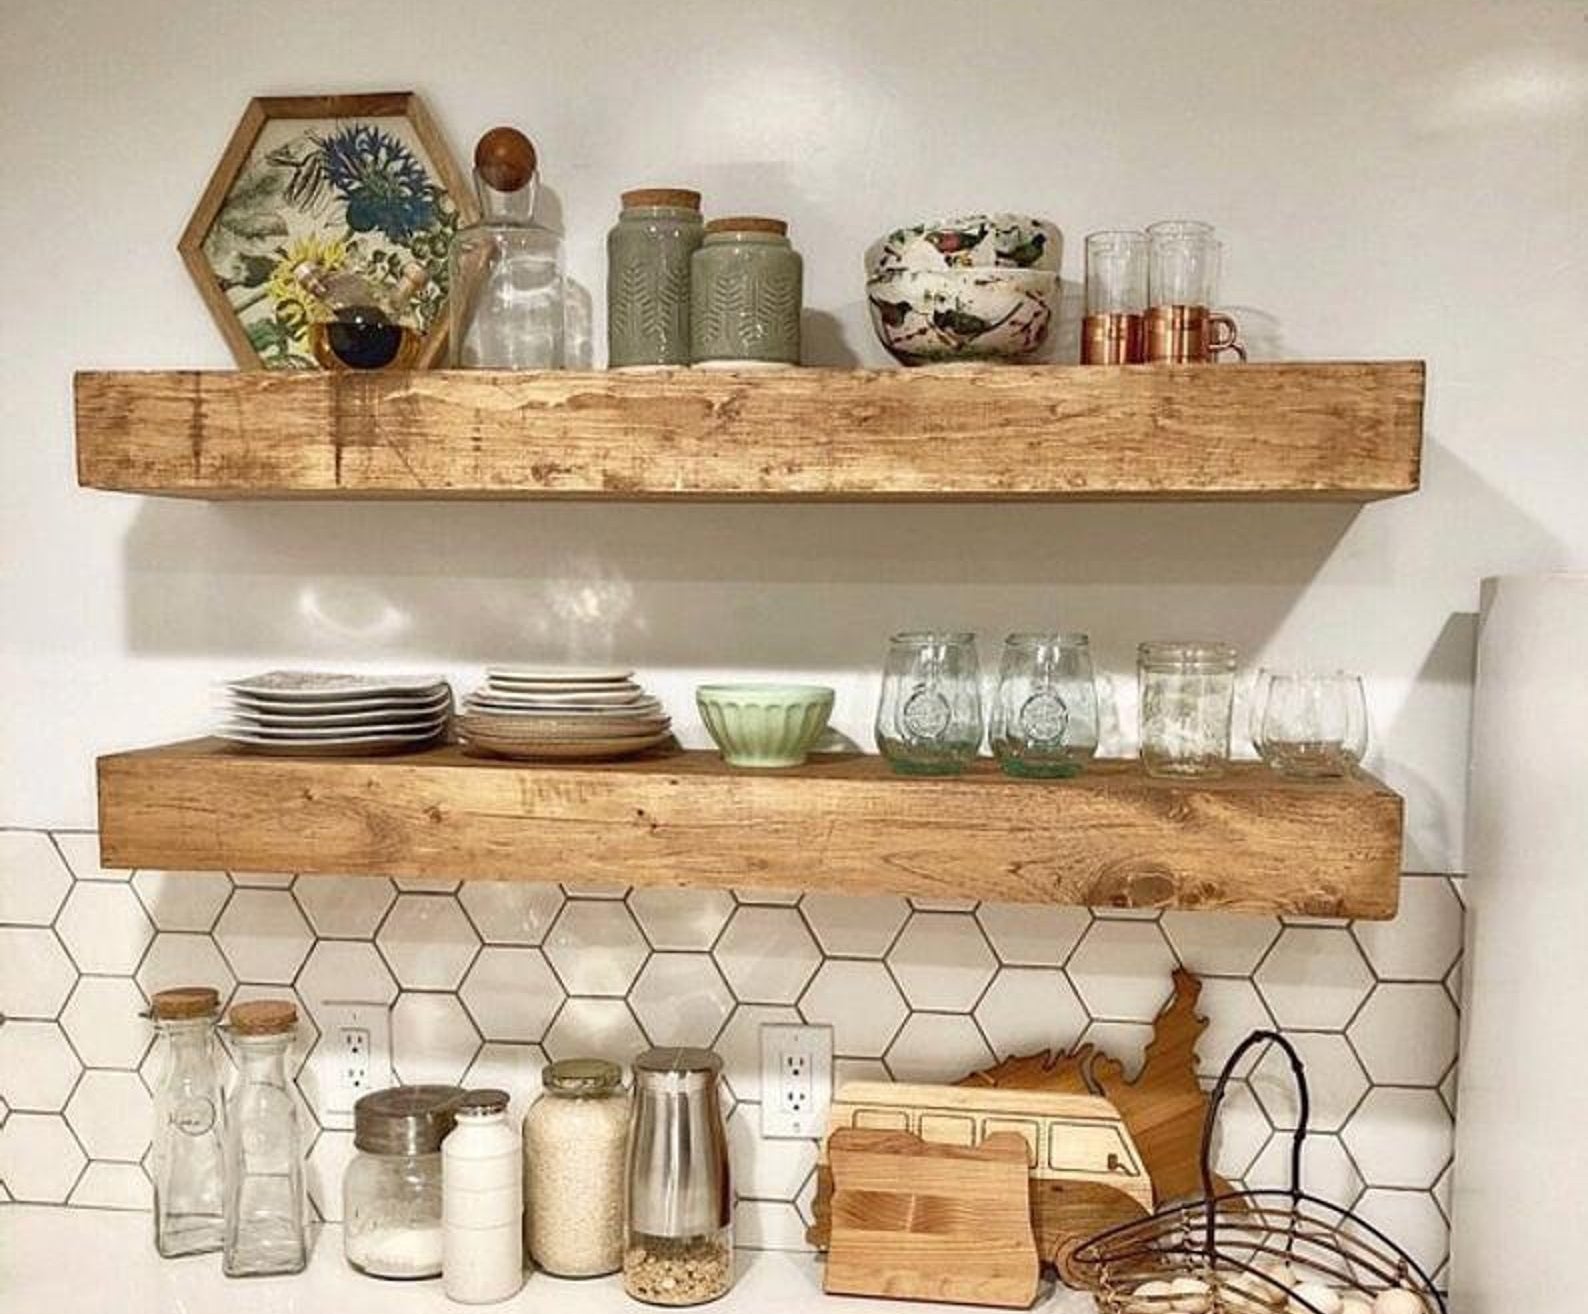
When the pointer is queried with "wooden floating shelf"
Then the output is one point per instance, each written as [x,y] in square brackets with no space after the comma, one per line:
[1345,431]
[842,824]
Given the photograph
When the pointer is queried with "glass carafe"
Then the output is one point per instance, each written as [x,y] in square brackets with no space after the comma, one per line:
[187,1154]
[929,721]
[264,1158]
[506,299]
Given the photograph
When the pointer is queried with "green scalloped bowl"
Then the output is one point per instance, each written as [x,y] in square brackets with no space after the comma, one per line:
[764,725]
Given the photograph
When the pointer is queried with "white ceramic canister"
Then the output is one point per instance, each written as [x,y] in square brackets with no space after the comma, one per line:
[482,1203]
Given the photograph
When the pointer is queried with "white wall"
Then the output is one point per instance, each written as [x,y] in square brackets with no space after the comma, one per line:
[1391,180]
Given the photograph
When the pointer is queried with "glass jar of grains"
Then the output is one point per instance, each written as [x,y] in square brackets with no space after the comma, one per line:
[574,1143]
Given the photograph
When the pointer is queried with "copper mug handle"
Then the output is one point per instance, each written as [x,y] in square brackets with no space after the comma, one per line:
[1223,334]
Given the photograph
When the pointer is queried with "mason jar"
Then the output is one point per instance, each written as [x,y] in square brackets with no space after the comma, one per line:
[746,291]
[648,270]
[1187,698]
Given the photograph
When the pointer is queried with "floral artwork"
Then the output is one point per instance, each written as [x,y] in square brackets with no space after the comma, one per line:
[361,194]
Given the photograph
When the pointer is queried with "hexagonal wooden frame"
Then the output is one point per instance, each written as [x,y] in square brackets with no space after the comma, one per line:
[260,111]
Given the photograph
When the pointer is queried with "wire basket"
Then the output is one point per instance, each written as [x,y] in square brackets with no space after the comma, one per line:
[1252,1252]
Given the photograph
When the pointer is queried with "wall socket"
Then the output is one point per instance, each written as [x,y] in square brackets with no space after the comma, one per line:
[352,1058]
[796,1079]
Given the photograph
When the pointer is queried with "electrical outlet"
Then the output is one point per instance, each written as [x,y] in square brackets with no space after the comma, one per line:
[352,1058]
[796,1079]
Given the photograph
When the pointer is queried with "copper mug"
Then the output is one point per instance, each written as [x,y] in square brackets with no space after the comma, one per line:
[1183,269]
[1190,335]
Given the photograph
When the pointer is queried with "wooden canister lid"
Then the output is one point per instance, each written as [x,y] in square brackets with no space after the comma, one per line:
[263,1017]
[505,158]
[748,223]
[679,198]
[181,1002]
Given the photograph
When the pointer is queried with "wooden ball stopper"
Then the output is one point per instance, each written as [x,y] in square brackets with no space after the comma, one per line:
[505,158]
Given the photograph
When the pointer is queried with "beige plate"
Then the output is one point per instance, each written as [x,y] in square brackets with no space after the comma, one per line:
[586,750]
[561,729]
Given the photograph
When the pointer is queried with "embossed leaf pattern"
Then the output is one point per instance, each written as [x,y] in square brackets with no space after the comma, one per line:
[776,303]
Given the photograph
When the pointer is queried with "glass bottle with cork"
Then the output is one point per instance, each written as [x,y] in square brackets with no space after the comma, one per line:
[365,331]
[187,1156]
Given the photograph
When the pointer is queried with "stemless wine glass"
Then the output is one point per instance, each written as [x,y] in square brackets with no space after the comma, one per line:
[1044,716]
[1310,724]
[929,722]
[1187,698]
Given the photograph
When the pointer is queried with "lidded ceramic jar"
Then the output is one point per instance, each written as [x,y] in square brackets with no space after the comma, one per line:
[648,274]
[746,293]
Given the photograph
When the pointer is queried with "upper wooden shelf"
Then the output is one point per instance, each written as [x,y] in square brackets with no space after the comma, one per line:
[1342,431]
[842,824]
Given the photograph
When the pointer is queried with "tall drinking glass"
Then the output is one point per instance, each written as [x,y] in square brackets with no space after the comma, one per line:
[1182,281]
[929,722]
[1113,332]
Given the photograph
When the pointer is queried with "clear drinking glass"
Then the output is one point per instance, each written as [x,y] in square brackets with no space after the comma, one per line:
[929,721]
[1187,698]
[1311,725]
[1183,263]
[264,1157]
[1044,714]
[187,1157]
[1116,272]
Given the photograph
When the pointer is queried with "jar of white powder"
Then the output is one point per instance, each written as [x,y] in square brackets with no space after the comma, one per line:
[575,1138]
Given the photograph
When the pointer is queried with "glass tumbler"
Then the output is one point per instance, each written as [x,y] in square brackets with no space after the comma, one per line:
[929,722]
[1044,714]
[1183,262]
[1113,332]
[1187,698]
[1310,725]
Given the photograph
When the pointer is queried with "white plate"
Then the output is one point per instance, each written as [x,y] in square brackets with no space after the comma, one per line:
[490,708]
[307,718]
[310,734]
[401,703]
[561,686]
[574,697]
[315,686]
[559,675]
[352,742]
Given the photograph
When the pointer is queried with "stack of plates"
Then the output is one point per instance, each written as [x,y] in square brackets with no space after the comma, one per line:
[319,714]
[588,715]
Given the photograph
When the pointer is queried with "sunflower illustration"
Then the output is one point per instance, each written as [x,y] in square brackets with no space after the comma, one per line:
[293,303]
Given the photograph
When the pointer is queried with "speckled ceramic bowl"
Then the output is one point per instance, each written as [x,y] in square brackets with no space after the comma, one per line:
[933,316]
[764,725]
[972,241]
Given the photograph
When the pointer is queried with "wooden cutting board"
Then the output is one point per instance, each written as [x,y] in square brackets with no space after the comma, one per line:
[916,1221]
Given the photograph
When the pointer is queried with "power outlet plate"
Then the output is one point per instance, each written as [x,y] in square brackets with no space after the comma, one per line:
[352,1058]
[796,1079]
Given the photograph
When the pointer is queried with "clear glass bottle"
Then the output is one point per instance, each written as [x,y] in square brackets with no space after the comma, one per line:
[365,330]
[506,303]
[575,1139]
[929,720]
[1187,698]
[187,1157]
[391,1192]
[264,1155]
[1044,719]
[482,1203]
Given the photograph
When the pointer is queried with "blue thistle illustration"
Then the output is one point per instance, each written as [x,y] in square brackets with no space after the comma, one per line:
[380,181]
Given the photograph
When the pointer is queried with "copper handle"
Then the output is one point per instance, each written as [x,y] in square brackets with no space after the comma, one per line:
[1227,340]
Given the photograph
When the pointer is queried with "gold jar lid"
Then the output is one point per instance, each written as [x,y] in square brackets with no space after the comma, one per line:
[582,1076]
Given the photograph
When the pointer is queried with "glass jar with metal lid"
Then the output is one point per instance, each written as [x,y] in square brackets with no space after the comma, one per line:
[391,1192]
[575,1138]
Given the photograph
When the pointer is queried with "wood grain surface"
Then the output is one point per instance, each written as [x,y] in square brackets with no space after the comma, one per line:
[842,823]
[1345,431]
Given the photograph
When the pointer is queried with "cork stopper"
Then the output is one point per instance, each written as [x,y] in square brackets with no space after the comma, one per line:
[678,198]
[182,1002]
[505,158]
[263,1017]
[748,223]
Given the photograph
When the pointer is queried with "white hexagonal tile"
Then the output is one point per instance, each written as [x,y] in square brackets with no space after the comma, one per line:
[681,919]
[1027,1009]
[921,904]
[596,948]
[264,936]
[1243,1132]
[35,973]
[1413,1219]
[104,1018]
[1400,1137]
[595,1028]
[768,1225]
[104,928]
[1406,1034]
[426,884]
[344,907]
[681,999]
[1219,944]
[1424,938]
[37,1067]
[324,1170]
[1326,1169]
[81,851]
[1443,1189]
[111,1114]
[769,898]
[428,942]
[511,994]
[33,878]
[1108,914]
[858,1069]
[1447,1090]
[106,1185]
[767,954]
[1453,979]
[183,900]
[1335,1081]
[40,1159]
[1033,935]
[307,1032]
[766,1169]
[180,958]
[861,1004]
[942,961]
[1233,1010]
[514,1068]
[937,1047]
[855,926]
[1124,1042]
[432,1038]
[263,880]
[1123,970]
[740,1046]
[345,970]
[511,912]
[1314,978]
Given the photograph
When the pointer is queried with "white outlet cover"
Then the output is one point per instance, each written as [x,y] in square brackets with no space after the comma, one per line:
[332,1063]
[796,1079]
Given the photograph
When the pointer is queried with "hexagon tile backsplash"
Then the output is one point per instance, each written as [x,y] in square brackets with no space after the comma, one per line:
[487,981]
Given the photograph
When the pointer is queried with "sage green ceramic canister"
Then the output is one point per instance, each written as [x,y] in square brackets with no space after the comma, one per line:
[648,254]
[746,292]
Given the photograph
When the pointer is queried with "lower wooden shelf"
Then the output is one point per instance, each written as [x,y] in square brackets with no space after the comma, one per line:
[842,824]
